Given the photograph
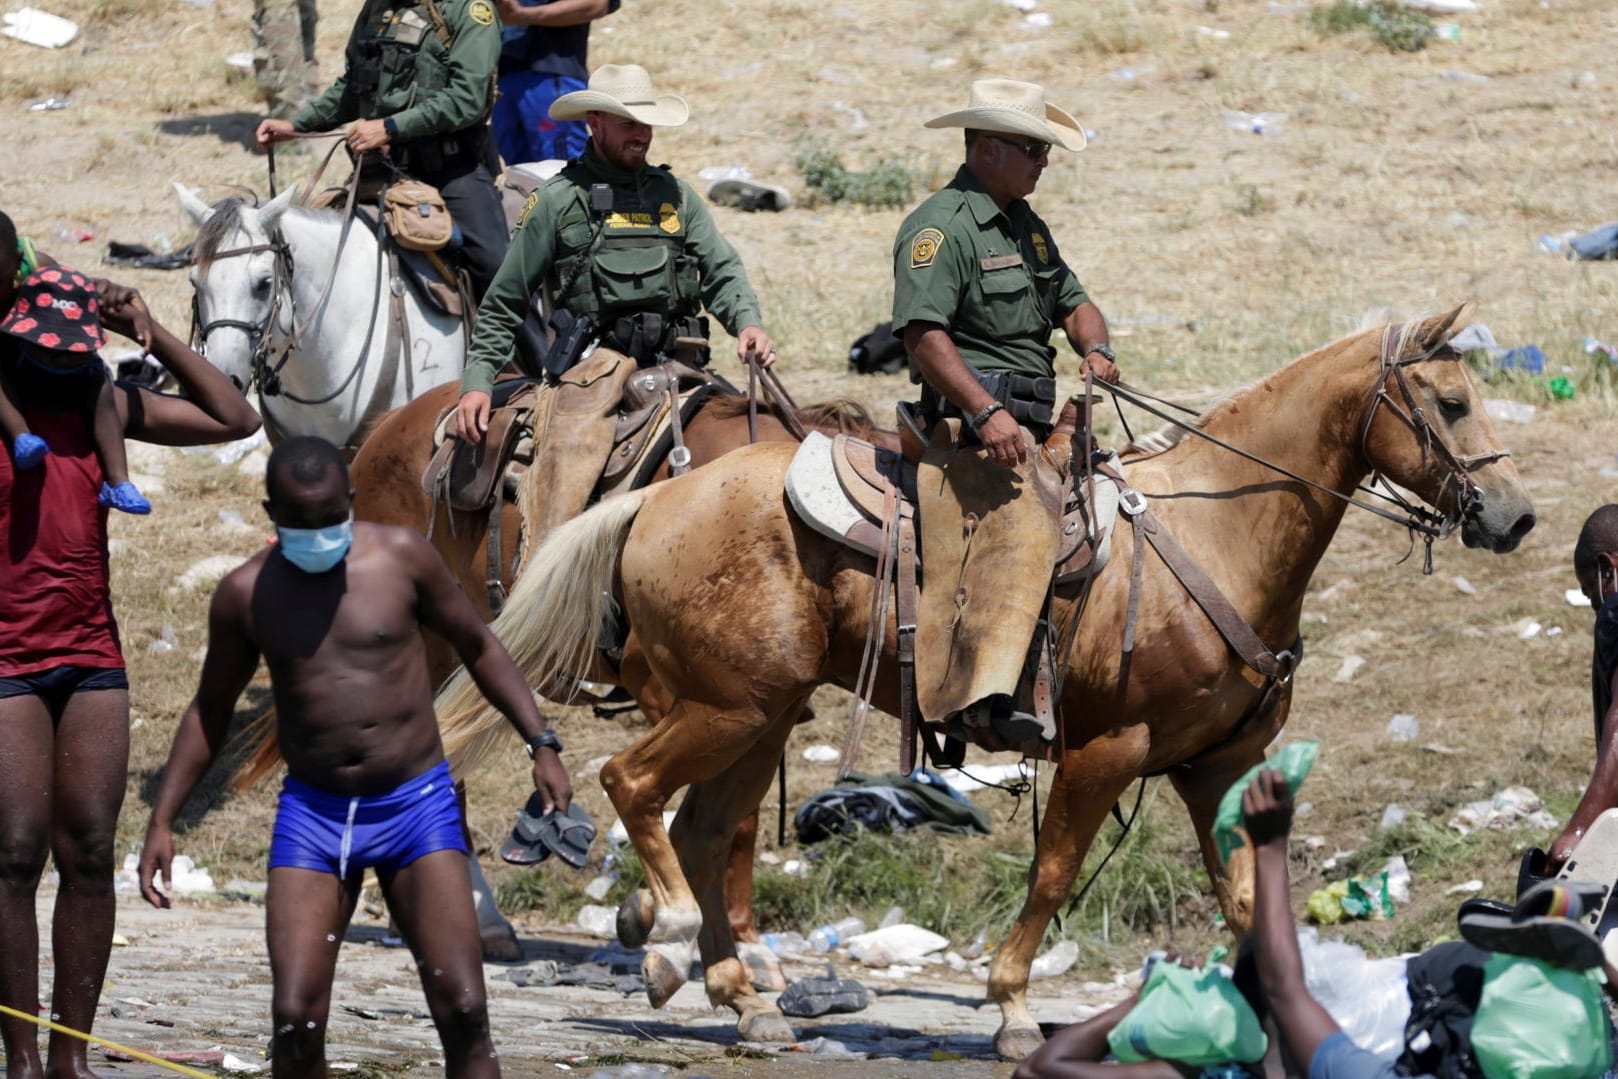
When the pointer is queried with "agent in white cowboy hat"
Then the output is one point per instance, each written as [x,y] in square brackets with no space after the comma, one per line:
[979,287]
[641,259]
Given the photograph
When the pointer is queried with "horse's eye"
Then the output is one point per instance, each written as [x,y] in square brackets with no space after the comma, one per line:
[1453,408]
[261,286]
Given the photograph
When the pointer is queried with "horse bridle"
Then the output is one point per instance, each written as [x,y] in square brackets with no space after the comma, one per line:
[1468,495]
[261,373]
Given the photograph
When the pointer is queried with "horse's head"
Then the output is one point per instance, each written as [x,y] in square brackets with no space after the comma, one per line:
[1425,429]
[239,293]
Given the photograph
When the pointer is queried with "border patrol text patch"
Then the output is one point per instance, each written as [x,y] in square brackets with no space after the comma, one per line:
[924,248]
[481,12]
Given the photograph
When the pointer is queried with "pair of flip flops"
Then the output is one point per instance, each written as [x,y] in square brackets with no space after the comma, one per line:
[539,834]
[1544,924]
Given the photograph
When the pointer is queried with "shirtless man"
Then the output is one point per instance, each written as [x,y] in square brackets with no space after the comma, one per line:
[335,609]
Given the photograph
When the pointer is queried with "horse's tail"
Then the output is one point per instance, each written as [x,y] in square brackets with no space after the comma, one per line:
[263,751]
[550,623]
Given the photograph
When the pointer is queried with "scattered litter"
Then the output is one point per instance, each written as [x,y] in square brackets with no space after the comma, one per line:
[1465,586]
[821,754]
[900,943]
[1350,667]
[795,867]
[749,195]
[981,776]
[1039,20]
[1061,957]
[1593,346]
[1527,629]
[1357,899]
[1447,31]
[34,27]
[234,1063]
[78,236]
[598,888]
[1595,245]
[789,943]
[1392,816]
[1130,74]
[856,118]
[1575,598]
[1513,807]
[1528,358]
[1466,887]
[1398,873]
[145,258]
[1021,5]
[1441,750]
[598,921]
[1217,35]
[1477,337]
[1457,219]
[1509,411]
[1440,7]
[827,1049]
[894,916]
[615,969]
[808,998]
[49,104]
[1553,631]
[167,641]
[233,522]
[633,1070]
[1258,123]
[1403,727]
[1338,856]
[120,941]
[207,572]
[1466,76]
[241,60]
[205,1057]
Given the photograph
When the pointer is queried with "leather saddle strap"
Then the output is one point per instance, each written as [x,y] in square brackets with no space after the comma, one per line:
[679,456]
[875,632]
[1132,614]
[492,580]
[395,342]
[1241,637]
[906,603]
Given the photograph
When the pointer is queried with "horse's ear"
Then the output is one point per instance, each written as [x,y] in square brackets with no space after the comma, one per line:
[271,211]
[200,211]
[1434,332]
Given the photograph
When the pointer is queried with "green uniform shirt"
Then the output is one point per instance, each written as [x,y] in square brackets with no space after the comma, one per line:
[396,65]
[993,280]
[657,251]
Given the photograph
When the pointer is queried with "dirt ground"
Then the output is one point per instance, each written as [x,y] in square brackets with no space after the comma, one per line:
[1400,181]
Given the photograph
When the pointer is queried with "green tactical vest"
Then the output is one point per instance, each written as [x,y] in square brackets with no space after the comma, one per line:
[639,262]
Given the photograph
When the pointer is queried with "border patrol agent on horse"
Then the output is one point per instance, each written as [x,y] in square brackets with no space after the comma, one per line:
[979,287]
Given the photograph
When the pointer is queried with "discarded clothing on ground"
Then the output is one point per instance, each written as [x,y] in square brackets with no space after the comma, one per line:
[880,350]
[807,998]
[889,803]
[143,257]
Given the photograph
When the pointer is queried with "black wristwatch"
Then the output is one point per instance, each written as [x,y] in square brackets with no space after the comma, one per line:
[1105,350]
[545,739]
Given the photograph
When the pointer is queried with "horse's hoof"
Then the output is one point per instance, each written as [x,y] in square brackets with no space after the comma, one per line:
[768,1026]
[500,944]
[635,916]
[662,979]
[1017,1043]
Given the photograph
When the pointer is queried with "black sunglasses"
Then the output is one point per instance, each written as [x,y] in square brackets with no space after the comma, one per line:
[1032,150]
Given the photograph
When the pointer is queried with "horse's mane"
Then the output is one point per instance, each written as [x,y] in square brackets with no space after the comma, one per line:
[214,234]
[842,415]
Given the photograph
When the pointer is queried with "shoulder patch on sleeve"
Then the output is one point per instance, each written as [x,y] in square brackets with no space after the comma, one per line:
[924,248]
[528,207]
[481,11]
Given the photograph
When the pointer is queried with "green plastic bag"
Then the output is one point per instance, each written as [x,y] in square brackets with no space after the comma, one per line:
[1293,761]
[1194,1017]
[1536,1021]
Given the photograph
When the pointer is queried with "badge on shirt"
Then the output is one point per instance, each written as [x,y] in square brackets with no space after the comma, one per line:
[924,248]
[481,12]
[668,218]
[1041,248]
[528,207]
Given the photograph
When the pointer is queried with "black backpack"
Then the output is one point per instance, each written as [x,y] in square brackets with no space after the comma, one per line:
[1446,983]
[880,350]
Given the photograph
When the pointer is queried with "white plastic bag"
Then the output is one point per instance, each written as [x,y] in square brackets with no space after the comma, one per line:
[900,943]
[1368,997]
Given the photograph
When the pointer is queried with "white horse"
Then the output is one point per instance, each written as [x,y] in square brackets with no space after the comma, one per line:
[302,308]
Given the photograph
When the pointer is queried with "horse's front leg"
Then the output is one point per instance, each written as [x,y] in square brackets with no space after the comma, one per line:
[1087,784]
[1202,786]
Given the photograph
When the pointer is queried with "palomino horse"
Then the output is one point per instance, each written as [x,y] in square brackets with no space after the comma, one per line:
[289,307]
[386,476]
[742,611]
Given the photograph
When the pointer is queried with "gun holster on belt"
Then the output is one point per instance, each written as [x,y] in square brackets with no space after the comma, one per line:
[649,337]
[571,334]
[1028,400]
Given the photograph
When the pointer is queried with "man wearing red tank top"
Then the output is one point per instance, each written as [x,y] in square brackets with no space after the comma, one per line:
[64,699]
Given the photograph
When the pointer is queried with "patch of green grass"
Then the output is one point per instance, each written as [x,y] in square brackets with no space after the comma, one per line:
[887,184]
[1338,17]
[1396,28]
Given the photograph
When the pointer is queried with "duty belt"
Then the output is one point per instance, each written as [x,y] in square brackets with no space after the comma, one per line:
[649,337]
[433,154]
[1030,401]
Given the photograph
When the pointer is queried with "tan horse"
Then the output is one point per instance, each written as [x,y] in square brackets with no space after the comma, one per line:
[742,611]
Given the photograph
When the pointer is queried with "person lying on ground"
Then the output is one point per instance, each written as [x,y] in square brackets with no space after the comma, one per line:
[335,609]
[64,696]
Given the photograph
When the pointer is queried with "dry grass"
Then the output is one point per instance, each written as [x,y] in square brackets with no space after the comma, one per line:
[1217,254]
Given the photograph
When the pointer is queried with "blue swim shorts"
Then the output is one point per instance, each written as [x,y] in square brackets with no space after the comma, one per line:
[344,836]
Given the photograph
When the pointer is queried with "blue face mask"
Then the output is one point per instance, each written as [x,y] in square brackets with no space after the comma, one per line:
[316,550]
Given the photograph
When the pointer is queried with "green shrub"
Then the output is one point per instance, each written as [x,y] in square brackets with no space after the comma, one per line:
[887,184]
[1397,28]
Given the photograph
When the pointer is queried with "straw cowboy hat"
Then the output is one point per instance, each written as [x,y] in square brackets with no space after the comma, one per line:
[1014,108]
[623,90]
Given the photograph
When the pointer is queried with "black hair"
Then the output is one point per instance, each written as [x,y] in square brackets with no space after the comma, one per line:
[8,233]
[972,135]
[1599,534]
[304,459]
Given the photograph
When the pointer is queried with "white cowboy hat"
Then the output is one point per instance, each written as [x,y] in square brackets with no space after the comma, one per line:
[623,90]
[1015,108]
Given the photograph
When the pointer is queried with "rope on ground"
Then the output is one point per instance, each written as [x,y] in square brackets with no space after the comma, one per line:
[136,1053]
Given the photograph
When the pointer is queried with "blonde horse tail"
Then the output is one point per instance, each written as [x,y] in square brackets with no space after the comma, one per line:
[550,624]
[262,751]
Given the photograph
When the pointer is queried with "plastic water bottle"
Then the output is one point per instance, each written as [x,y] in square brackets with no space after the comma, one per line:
[785,943]
[1063,954]
[830,936]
